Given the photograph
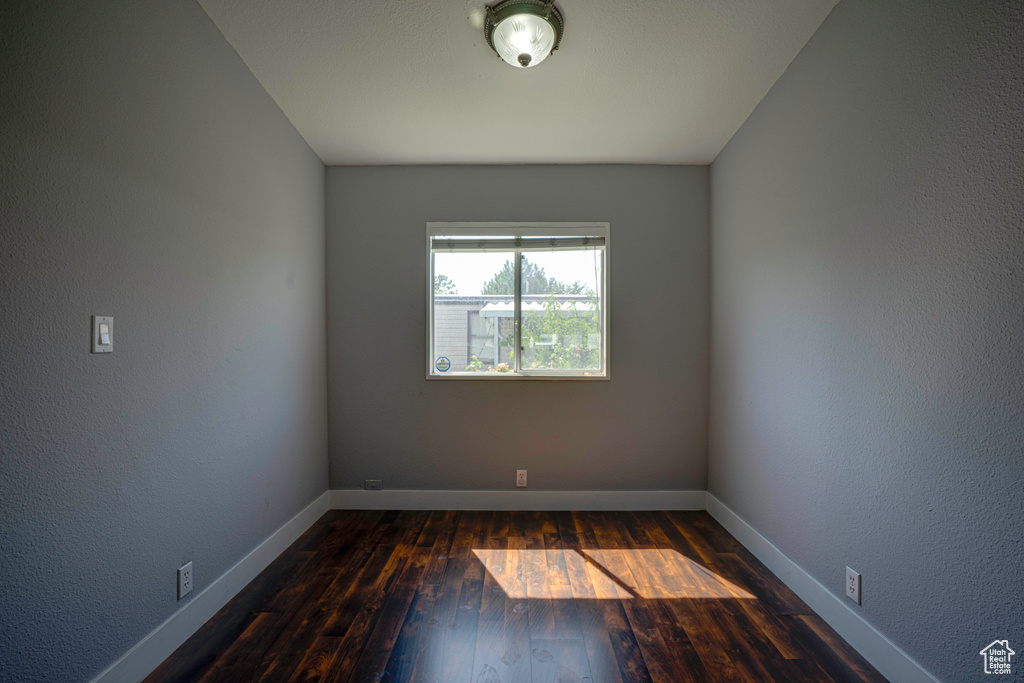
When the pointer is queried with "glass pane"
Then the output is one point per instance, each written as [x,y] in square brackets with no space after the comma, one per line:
[473,312]
[561,310]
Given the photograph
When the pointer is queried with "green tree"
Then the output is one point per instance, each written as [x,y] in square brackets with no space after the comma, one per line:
[444,285]
[535,281]
[558,337]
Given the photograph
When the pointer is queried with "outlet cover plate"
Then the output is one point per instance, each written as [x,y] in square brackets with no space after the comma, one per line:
[184,580]
[373,484]
[853,585]
[521,479]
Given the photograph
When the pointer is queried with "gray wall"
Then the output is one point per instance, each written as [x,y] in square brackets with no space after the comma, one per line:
[867,376]
[646,428]
[145,174]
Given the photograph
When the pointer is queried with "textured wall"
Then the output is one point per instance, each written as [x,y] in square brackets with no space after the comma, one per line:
[867,290]
[145,174]
[646,428]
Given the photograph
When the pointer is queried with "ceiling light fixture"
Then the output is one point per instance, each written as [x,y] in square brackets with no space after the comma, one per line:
[523,32]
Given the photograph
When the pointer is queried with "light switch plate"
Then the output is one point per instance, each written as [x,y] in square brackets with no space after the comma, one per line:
[97,345]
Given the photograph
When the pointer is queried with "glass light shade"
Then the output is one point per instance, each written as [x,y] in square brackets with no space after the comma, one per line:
[523,38]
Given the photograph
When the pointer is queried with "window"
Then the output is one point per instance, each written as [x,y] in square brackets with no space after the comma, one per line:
[517,300]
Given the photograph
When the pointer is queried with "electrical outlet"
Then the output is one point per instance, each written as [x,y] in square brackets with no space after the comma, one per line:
[853,585]
[521,479]
[373,484]
[184,580]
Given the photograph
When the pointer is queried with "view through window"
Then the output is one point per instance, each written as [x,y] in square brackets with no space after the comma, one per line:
[526,301]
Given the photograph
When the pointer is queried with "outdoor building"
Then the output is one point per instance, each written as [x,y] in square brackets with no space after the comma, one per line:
[469,328]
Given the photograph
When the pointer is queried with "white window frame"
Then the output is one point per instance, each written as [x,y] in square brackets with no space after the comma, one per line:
[524,230]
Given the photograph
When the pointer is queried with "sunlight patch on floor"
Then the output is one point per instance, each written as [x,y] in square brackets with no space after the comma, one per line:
[658,573]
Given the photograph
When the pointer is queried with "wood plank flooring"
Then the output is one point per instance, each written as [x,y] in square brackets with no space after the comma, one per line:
[515,597]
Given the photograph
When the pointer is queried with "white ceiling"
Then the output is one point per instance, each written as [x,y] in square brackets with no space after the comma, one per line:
[414,82]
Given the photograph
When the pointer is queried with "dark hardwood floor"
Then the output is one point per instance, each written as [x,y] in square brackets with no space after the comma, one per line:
[512,597]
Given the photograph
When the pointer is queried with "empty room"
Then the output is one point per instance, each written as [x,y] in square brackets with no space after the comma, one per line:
[517,341]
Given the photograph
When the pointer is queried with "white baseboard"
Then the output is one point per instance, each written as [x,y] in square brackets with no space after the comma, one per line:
[884,655]
[149,652]
[357,499]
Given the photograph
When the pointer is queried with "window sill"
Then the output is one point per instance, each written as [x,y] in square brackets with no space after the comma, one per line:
[511,376]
